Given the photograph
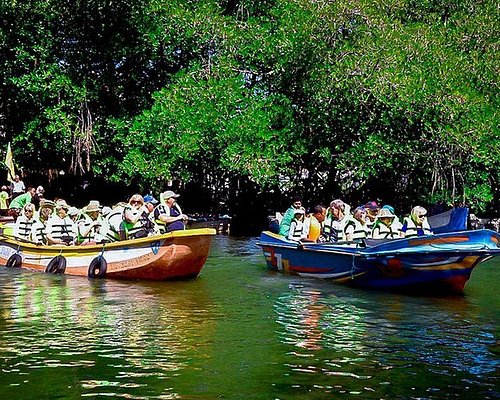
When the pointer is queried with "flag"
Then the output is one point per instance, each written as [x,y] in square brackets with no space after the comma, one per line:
[9,163]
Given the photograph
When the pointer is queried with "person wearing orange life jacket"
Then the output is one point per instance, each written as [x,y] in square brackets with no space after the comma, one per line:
[313,225]
[416,223]
[296,232]
[386,227]
[356,227]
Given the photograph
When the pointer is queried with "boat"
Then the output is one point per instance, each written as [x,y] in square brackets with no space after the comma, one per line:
[440,264]
[174,255]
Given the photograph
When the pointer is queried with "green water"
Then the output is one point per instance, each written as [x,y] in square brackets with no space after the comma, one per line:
[242,332]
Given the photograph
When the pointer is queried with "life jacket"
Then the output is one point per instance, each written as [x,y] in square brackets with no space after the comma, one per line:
[114,220]
[359,231]
[370,224]
[60,228]
[333,229]
[134,229]
[382,231]
[296,230]
[23,227]
[175,211]
[315,228]
[84,224]
[412,230]
[328,230]
[38,234]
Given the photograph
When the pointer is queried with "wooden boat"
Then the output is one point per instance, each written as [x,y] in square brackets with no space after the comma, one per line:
[436,263]
[174,255]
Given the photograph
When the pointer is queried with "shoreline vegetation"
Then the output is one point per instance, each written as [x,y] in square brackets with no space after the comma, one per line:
[241,104]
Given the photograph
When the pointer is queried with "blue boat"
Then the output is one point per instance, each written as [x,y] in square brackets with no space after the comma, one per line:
[440,263]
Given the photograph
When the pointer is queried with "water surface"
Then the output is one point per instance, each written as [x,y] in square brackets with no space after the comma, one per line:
[240,331]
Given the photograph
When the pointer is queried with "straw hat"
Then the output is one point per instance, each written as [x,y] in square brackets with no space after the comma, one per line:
[62,204]
[47,204]
[93,206]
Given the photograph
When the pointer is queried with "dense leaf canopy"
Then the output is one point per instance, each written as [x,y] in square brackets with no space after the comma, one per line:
[395,100]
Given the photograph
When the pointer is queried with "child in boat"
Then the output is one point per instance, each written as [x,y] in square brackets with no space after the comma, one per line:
[297,231]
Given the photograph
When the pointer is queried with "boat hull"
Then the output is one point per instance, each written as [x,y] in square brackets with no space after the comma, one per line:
[175,255]
[439,263]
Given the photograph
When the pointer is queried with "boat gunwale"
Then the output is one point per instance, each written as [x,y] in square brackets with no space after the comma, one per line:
[29,246]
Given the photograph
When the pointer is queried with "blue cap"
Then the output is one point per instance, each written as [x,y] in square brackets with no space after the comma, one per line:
[150,199]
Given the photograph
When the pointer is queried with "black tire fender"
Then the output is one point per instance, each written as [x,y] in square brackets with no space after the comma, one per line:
[98,267]
[14,261]
[56,266]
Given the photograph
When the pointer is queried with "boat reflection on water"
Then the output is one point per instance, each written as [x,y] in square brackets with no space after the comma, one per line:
[338,337]
[132,335]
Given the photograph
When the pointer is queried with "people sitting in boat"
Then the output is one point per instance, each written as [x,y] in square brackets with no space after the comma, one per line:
[416,223]
[386,227]
[372,209]
[135,223]
[17,204]
[168,215]
[38,229]
[297,231]
[356,227]
[314,223]
[24,222]
[60,227]
[89,224]
[289,214]
[335,221]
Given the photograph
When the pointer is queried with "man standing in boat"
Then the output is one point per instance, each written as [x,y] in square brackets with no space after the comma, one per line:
[168,214]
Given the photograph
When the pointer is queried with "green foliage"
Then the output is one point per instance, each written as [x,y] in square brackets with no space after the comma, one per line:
[357,99]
